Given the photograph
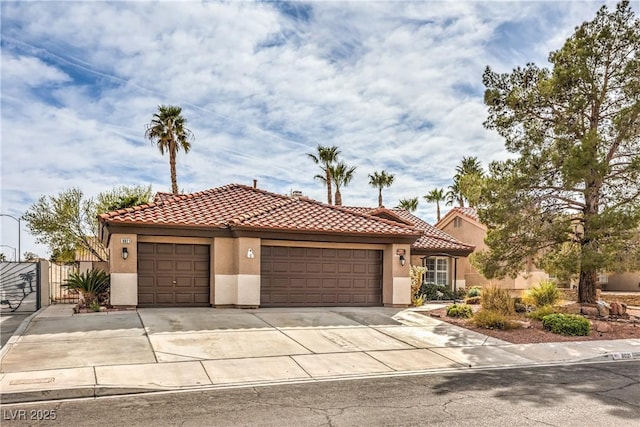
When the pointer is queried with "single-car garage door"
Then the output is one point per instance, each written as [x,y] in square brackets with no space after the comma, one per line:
[173,275]
[298,277]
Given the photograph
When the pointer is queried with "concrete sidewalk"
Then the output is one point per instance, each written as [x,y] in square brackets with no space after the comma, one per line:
[61,355]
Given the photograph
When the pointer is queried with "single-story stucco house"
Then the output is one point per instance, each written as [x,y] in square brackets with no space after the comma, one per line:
[241,246]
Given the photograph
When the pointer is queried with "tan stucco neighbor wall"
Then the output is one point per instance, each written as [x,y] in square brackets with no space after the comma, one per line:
[629,282]
[473,233]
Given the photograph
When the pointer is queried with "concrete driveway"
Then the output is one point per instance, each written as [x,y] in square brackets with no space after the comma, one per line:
[320,341]
[62,355]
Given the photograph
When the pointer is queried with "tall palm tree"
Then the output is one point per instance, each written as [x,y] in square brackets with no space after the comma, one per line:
[410,205]
[469,166]
[436,196]
[167,130]
[381,180]
[325,157]
[342,176]
[454,194]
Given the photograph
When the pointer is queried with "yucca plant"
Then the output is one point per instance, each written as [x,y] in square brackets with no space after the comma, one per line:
[93,285]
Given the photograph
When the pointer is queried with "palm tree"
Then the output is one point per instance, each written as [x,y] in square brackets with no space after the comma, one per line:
[167,130]
[454,194]
[326,157]
[28,277]
[436,196]
[342,176]
[380,180]
[410,205]
[469,166]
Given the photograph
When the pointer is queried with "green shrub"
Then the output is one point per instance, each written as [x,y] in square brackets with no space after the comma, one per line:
[545,293]
[459,310]
[93,285]
[431,292]
[475,291]
[492,319]
[497,299]
[472,300]
[567,324]
[542,312]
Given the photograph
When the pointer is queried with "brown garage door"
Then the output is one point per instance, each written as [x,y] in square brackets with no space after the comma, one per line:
[299,277]
[173,275]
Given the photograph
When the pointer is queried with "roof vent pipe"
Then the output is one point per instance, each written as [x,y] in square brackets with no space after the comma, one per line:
[255,183]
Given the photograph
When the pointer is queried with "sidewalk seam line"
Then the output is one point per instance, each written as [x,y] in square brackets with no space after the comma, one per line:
[206,372]
[146,333]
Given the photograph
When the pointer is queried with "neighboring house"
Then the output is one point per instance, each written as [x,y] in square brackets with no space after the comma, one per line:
[244,247]
[464,225]
[87,260]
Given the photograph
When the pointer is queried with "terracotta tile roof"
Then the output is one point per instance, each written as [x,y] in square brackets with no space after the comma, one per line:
[468,212]
[432,239]
[243,207]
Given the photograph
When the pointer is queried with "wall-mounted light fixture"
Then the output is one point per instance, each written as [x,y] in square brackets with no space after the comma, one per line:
[402,260]
[250,253]
[401,253]
[125,253]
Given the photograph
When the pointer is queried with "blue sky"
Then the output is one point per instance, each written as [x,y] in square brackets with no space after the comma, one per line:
[396,85]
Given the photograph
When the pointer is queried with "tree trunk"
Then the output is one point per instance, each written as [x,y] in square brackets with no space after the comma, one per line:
[438,210]
[328,179]
[587,287]
[172,164]
[338,199]
[380,197]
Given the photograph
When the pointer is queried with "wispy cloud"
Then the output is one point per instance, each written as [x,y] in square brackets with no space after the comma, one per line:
[396,85]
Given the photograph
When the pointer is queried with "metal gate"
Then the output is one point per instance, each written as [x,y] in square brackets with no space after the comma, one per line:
[58,275]
[19,286]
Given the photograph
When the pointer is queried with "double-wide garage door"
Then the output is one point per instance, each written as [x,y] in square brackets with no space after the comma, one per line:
[173,275]
[298,277]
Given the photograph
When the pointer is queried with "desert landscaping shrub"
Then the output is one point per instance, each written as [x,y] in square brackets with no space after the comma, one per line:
[492,319]
[93,285]
[567,324]
[520,307]
[494,298]
[472,300]
[416,273]
[541,312]
[459,310]
[544,293]
[475,291]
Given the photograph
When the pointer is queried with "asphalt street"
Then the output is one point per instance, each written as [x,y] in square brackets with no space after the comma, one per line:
[588,394]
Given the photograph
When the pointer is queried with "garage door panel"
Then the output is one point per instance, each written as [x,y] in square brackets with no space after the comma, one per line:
[184,265]
[331,277]
[164,248]
[173,275]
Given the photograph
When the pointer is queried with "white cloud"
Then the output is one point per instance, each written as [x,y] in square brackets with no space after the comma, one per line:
[395,85]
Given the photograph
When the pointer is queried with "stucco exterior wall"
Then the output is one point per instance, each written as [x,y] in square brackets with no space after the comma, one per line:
[628,282]
[235,268]
[473,233]
[396,284]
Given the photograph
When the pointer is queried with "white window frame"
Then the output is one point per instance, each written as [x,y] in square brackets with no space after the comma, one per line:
[433,274]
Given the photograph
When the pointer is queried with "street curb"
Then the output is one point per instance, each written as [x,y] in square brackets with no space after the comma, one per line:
[18,333]
[99,391]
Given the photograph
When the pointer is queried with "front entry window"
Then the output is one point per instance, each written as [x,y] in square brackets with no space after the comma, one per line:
[437,270]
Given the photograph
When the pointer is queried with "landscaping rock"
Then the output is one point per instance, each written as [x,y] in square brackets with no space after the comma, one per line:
[617,308]
[589,311]
[603,327]
[603,309]
[572,308]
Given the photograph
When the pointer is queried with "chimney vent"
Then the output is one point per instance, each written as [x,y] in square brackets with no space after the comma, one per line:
[296,193]
[255,183]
